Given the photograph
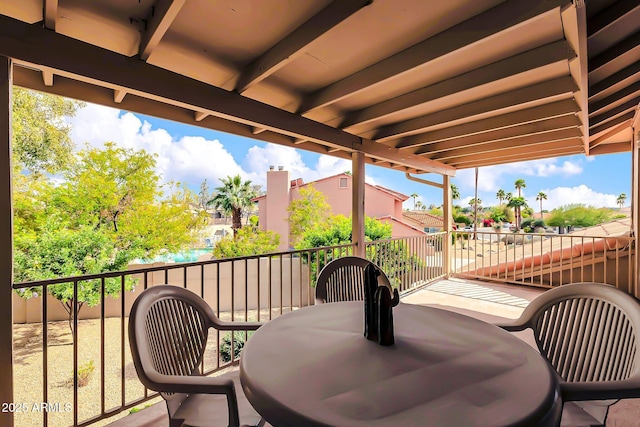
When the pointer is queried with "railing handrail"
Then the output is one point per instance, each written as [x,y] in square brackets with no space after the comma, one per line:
[167,266]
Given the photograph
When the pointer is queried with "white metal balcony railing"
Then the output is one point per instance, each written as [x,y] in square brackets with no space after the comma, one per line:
[544,260]
[255,288]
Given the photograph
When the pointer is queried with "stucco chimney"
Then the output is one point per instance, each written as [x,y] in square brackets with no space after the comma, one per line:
[278,197]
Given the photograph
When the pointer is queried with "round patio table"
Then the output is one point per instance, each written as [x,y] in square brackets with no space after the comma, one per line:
[314,367]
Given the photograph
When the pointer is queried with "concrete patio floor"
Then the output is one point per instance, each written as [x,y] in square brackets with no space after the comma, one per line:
[486,301]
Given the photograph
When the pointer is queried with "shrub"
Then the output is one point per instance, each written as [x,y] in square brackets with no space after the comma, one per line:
[539,223]
[462,219]
[238,345]
[85,372]
[527,223]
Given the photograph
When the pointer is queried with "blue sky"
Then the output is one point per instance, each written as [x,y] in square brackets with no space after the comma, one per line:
[190,154]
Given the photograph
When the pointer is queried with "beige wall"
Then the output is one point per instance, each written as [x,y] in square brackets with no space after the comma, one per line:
[399,229]
[287,280]
[277,201]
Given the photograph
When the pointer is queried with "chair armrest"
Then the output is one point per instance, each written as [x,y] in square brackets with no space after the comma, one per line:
[515,325]
[622,389]
[194,384]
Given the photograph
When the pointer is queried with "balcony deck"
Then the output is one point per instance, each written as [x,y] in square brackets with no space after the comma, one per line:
[482,300]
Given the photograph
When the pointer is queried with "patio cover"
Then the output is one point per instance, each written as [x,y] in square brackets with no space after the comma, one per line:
[418,86]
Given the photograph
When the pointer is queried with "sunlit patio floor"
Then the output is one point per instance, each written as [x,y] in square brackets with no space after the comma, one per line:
[487,301]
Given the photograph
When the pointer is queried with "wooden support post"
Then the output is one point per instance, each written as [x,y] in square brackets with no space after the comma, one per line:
[357,206]
[6,243]
[447,224]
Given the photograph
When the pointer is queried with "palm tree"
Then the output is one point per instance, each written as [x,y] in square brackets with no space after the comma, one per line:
[233,197]
[414,195]
[418,205]
[455,193]
[501,195]
[519,184]
[541,196]
[621,199]
[517,203]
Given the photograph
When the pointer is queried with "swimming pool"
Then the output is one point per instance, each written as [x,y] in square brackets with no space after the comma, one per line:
[190,255]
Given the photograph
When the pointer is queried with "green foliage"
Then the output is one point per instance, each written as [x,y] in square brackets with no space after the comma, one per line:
[460,219]
[234,196]
[501,213]
[335,233]
[455,192]
[308,211]
[578,216]
[238,344]
[41,137]
[248,241]
[85,372]
[395,258]
[108,211]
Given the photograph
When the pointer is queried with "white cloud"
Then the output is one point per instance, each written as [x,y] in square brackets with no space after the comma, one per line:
[191,159]
[492,178]
[580,194]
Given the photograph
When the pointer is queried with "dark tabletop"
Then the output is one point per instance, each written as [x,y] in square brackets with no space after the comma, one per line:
[313,367]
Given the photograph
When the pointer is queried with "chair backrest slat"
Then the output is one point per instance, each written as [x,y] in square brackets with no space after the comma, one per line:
[176,336]
[586,339]
[343,280]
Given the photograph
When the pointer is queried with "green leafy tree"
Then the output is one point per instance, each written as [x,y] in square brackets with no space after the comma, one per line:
[41,136]
[501,213]
[540,197]
[578,215]
[108,210]
[311,209]
[247,241]
[501,195]
[519,185]
[234,196]
[621,199]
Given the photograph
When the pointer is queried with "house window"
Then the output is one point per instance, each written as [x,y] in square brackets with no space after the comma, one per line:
[344,183]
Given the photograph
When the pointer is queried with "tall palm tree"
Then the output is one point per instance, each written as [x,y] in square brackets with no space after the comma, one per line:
[501,195]
[455,193]
[233,197]
[414,195]
[517,203]
[541,196]
[520,184]
[621,199]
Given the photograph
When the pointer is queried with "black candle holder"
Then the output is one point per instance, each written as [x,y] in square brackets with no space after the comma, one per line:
[378,305]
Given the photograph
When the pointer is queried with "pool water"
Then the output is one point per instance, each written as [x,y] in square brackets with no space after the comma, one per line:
[190,255]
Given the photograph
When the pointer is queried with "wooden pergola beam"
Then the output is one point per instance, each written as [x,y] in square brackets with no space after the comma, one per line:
[527,61]
[504,16]
[164,13]
[296,43]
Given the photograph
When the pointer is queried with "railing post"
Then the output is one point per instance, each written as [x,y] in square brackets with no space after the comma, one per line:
[447,223]
[634,286]
[6,243]
[357,204]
